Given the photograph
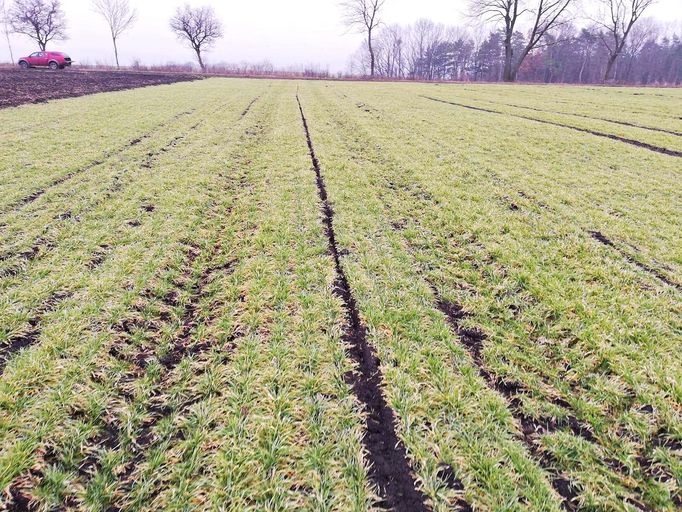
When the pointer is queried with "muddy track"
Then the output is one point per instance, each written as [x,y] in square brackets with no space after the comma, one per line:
[87,167]
[156,409]
[250,105]
[532,429]
[109,433]
[633,142]
[583,116]
[109,436]
[390,469]
[607,242]
[31,336]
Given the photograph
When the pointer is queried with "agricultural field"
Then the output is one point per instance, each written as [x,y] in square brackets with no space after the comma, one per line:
[277,295]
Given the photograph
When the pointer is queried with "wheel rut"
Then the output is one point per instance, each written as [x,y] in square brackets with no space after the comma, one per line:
[26,200]
[42,247]
[200,268]
[632,142]
[390,469]
[598,236]
[583,116]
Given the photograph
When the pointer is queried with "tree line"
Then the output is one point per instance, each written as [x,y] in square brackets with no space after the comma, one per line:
[44,21]
[528,40]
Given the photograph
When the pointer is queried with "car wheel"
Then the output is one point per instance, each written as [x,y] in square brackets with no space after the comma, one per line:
[23,64]
[54,66]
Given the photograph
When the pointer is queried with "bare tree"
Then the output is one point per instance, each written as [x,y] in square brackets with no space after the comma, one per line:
[199,26]
[4,20]
[41,20]
[118,15]
[545,15]
[390,51]
[617,19]
[425,36]
[644,32]
[364,15]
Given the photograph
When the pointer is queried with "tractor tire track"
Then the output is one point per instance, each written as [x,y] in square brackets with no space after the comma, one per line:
[632,142]
[390,469]
[193,282]
[532,429]
[26,200]
[607,242]
[145,439]
[584,116]
[109,434]
[148,163]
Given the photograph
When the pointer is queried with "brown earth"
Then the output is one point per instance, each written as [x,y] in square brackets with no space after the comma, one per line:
[18,87]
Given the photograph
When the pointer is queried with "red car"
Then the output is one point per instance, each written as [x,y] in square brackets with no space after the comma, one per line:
[52,60]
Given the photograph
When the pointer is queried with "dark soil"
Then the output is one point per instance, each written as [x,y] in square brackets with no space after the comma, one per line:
[390,468]
[18,87]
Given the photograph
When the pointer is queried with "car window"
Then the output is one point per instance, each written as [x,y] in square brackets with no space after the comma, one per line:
[35,54]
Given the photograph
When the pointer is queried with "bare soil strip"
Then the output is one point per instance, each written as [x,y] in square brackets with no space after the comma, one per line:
[633,142]
[602,239]
[390,469]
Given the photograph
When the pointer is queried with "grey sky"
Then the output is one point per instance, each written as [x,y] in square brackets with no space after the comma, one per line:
[283,32]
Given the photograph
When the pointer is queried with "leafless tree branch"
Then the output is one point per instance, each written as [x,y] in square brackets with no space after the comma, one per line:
[199,26]
[119,16]
[364,15]
[41,20]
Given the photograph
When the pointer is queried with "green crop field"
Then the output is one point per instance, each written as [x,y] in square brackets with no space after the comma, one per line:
[269,295]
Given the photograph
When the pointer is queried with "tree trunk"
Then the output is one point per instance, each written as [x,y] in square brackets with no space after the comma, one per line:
[41,44]
[582,68]
[201,61]
[508,74]
[609,67]
[113,38]
[9,45]
[372,63]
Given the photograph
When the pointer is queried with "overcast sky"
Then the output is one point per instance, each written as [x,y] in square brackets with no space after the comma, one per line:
[284,32]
